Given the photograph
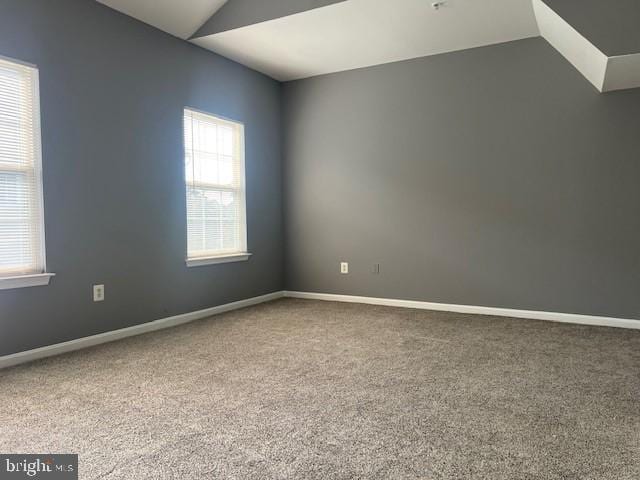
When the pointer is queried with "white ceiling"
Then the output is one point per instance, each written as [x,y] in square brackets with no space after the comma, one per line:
[360,33]
[177,17]
[605,73]
[344,36]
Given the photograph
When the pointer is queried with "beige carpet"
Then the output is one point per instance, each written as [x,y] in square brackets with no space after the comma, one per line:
[315,390]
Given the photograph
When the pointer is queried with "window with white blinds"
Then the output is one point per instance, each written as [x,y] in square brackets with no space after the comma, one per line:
[215,184]
[21,210]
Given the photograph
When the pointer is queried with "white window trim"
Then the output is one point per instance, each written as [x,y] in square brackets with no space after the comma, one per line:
[230,257]
[23,281]
[32,279]
[201,262]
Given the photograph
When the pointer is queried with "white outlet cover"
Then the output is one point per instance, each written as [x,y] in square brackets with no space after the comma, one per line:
[98,293]
[344,268]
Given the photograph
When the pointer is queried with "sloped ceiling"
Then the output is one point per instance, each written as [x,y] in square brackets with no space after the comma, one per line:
[359,33]
[612,26]
[240,13]
[178,17]
[291,39]
[599,49]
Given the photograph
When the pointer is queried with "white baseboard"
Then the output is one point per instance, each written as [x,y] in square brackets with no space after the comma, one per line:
[80,343]
[500,312]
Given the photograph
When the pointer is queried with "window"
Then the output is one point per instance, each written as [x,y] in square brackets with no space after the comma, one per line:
[214,173]
[22,257]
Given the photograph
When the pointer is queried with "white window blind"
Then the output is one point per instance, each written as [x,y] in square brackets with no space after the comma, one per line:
[21,210]
[214,172]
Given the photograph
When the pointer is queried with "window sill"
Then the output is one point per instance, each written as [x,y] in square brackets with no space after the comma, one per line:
[23,281]
[235,257]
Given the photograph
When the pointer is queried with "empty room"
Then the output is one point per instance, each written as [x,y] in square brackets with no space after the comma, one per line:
[320,239]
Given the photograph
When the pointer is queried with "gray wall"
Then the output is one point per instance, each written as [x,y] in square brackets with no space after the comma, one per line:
[610,26]
[112,93]
[496,176]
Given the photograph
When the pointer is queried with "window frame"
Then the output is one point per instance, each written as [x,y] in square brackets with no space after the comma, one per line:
[227,256]
[40,277]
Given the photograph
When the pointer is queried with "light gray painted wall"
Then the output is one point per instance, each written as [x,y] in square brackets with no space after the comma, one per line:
[112,93]
[496,176]
[613,27]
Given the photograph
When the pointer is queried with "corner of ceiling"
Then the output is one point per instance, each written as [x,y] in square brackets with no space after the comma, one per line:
[604,72]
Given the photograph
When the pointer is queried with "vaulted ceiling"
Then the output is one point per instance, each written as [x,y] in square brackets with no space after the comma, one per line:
[180,18]
[359,33]
[600,39]
[291,39]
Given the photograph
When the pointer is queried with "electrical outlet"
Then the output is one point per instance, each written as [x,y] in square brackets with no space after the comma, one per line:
[98,293]
[376,269]
[344,268]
